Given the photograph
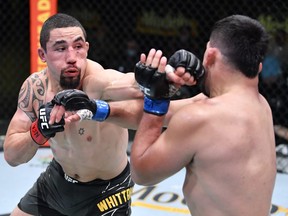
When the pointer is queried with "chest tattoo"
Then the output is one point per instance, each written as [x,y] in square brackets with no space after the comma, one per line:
[81,131]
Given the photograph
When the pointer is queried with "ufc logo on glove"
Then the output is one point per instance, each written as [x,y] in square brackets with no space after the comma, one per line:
[146,91]
[42,116]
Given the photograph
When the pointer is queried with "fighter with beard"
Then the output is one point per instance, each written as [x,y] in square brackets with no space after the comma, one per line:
[89,165]
[90,172]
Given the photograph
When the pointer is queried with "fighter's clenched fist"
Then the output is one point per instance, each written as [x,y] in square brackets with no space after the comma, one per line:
[184,68]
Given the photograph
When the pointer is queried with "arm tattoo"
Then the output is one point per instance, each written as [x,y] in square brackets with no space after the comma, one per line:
[32,95]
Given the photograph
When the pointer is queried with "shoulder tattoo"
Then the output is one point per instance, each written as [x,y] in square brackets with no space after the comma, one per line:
[32,95]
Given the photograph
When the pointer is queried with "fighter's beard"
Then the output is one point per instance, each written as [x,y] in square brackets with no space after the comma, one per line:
[69,82]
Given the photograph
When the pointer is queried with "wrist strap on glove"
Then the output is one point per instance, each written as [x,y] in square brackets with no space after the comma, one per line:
[102,110]
[36,135]
[156,106]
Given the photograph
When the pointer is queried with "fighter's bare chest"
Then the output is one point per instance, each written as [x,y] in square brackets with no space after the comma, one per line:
[83,132]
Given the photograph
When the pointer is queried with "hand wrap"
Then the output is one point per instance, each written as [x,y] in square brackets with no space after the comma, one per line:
[76,100]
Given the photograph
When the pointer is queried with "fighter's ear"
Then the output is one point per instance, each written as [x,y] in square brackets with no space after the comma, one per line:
[87,45]
[210,55]
[41,54]
[260,67]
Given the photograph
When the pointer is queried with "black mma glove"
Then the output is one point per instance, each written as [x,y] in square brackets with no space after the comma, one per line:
[156,88]
[40,129]
[189,61]
[76,100]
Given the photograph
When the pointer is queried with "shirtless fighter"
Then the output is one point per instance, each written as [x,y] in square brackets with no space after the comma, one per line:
[224,141]
[90,173]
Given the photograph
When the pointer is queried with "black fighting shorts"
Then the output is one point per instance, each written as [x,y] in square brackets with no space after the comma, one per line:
[55,194]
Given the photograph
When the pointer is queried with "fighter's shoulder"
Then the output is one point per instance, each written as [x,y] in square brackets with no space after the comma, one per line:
[94,71]
[39,78]
[197,112]
[32,94]
[93,68]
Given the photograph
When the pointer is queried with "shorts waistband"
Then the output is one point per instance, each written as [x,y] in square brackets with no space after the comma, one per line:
[70,179]
[95,181]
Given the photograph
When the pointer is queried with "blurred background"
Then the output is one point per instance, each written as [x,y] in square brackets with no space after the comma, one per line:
[119,30]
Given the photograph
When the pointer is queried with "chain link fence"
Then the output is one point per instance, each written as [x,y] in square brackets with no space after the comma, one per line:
[119,30]
[14,55]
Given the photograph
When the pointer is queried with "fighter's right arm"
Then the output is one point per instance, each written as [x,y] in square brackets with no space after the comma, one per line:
[26,132]
[18,145]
